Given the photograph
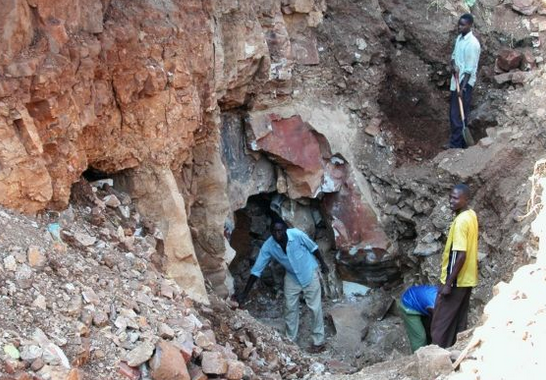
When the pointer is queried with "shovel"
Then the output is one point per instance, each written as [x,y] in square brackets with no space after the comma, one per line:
[467,136]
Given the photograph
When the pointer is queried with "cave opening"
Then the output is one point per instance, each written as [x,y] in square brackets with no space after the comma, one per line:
[252,228]
[92,174]
[361,325]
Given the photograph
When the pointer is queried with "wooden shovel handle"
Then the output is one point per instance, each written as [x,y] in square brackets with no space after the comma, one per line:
[461,108]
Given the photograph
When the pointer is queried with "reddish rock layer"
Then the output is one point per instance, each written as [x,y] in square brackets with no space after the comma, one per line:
[102,84]
[302,152]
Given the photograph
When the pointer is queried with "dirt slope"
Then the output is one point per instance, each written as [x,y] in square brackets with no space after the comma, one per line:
[81,297]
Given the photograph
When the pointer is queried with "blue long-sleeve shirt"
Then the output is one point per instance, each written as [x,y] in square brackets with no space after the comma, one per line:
[420,297]
[298,260]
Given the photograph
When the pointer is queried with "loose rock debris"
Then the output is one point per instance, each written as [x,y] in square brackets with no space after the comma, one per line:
[81,299]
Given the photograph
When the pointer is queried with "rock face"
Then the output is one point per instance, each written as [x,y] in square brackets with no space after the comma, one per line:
[301,152]
[22,173]
[247,173]
[306,168]
[209,211]
[110,96]
[365,254]
[118,86]
[16,29]
[158,198]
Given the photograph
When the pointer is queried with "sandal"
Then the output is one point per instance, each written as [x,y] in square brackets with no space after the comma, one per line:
[315,349]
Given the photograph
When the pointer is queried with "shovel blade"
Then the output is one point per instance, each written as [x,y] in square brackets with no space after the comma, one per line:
[468,139]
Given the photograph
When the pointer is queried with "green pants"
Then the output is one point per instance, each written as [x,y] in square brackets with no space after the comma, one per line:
[414,327]
[312,296]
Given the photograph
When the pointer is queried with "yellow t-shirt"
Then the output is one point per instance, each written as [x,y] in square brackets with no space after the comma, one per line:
[463,236]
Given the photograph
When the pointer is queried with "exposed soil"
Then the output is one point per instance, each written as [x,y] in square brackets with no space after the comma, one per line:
[415,117]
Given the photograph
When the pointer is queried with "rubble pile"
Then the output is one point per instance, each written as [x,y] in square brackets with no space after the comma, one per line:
[82,299]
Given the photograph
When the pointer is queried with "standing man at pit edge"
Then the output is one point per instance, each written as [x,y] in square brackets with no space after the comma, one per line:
[459,271]
[464,66]
[298,254]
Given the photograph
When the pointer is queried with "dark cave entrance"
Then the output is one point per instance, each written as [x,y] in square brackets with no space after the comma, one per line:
[266,300]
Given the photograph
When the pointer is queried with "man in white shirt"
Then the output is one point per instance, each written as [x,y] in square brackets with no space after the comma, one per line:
[464,66]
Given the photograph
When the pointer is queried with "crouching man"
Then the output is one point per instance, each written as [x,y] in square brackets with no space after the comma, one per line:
[417,306]
[298,254]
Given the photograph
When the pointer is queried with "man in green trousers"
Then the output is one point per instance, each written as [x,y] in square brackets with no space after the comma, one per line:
[416,306]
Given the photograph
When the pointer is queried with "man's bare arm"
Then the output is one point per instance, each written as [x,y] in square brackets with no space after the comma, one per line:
[323,267]
[459,262]
[241,297]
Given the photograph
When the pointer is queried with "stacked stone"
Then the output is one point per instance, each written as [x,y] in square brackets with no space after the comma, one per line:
[517,66]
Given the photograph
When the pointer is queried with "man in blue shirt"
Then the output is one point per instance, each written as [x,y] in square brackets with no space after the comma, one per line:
[416,306]
[298,254]
[464,68]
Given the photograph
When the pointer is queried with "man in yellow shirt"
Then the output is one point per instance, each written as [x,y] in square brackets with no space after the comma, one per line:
[459,271]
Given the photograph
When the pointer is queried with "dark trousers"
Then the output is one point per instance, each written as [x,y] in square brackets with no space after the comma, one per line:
[456,139]
[450,316]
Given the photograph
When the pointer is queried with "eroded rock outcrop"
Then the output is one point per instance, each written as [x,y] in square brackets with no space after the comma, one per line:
[208,213]
[158,199]
[307,168]
[118,85]
[101,84]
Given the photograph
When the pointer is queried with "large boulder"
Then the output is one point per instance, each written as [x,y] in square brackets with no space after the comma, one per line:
[509,59]
[303,153]
[168,363]
[433,361]
[365,253]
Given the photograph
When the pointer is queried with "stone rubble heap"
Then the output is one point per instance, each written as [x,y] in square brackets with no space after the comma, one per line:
[517,63]
[81,298]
